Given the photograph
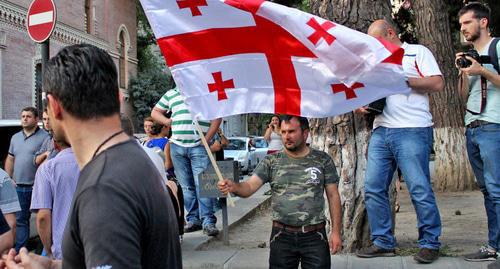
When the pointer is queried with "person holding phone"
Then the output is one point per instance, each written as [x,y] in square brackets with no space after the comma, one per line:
[273,135]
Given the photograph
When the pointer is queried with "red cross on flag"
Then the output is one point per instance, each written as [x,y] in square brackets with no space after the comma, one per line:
[244,56]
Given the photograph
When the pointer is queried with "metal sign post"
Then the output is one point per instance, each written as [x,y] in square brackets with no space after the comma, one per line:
[208,188]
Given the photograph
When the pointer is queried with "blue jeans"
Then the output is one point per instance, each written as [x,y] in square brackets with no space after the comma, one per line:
[189,162]
[23,216]
[288,249]
[409,149]
[483,148]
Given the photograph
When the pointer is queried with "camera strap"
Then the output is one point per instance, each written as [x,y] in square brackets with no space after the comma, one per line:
[484,93]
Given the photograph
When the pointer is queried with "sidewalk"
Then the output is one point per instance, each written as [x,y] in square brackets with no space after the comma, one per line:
[258,258]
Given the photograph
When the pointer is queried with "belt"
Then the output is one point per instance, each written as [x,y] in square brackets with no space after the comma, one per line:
[477,123]
[24,185]
[296,229]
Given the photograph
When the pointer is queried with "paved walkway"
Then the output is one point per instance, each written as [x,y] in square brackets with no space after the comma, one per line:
[258,258]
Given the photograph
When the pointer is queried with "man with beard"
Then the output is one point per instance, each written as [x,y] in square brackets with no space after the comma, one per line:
[482,120]
[299,176]
[121,215]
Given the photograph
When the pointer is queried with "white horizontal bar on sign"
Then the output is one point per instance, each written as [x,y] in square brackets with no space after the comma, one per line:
[41,18]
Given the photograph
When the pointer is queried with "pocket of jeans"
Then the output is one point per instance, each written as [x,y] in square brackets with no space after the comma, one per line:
[322,236]
[274,237]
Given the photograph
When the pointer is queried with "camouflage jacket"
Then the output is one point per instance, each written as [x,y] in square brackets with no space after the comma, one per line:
[298,186]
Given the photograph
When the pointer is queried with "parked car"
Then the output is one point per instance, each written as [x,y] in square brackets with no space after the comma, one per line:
[7,129]
[240,149]
[261,149]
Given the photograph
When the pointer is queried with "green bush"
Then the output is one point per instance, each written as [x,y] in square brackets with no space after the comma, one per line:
[146,89]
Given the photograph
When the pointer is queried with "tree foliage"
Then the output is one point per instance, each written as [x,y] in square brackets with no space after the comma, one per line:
[153,78]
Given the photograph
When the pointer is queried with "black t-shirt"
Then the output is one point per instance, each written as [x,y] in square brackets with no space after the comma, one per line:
[4,226]
[121,216]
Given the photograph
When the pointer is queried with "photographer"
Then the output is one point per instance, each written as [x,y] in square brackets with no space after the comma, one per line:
[482,118]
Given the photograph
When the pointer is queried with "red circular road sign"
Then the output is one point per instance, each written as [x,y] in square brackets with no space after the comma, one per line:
[41,20]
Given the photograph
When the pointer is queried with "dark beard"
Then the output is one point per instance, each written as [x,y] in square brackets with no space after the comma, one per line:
[474,36]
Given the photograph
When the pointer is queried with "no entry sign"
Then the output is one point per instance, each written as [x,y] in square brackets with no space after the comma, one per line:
[41,20]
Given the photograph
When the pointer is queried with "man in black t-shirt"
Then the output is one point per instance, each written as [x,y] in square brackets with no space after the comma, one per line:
[121,216]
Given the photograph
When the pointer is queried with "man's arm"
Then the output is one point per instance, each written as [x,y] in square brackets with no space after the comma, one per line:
[214,126]
[427,84]
[11,220]
[475,69]
[243,189]
[40,158]
[158,115]
[44,228]
[9,165]
[335,240]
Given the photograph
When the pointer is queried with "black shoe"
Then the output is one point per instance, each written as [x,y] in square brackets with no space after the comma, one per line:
[483,254]
[494,265]
[426,255]
[191,227]
[210,230]
[375,251]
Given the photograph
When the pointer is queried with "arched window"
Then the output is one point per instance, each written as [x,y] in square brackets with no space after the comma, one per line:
[88,16]
[123,60]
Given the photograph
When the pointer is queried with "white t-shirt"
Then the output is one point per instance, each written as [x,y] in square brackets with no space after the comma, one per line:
[275,142]
[412,109]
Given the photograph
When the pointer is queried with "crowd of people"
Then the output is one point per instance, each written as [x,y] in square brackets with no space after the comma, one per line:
[105,199]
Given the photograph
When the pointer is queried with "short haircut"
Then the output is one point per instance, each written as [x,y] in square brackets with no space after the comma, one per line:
[127,125]
[149,119]
[83,79]
[31,109]
[480,10]
[304,122]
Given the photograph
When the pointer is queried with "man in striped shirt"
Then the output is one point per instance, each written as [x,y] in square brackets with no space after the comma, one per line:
[189,158]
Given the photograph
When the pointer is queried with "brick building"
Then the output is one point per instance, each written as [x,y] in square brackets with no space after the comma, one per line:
[108,24]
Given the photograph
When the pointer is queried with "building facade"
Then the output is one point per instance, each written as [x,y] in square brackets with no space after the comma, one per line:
[108,24]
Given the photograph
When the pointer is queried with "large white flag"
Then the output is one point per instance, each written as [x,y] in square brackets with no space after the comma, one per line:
[244,56]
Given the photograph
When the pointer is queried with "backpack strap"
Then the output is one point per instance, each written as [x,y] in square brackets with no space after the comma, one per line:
[492,52]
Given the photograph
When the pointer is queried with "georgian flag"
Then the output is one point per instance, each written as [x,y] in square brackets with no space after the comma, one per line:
[252,56]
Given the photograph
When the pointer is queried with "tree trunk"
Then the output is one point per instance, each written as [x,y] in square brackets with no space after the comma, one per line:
[452,172]
[345,137]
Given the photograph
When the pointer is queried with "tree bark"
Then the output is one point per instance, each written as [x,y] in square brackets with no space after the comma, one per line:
[345,137]
[452,172]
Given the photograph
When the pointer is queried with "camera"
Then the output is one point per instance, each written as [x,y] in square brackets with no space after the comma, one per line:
[463,62]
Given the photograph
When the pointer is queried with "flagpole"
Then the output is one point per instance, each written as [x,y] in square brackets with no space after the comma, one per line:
[230,201]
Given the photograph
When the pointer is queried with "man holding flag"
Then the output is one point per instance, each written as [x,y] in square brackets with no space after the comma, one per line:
[299,176]
[402,137]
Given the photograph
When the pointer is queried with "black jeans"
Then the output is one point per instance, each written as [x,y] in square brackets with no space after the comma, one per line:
[288,249]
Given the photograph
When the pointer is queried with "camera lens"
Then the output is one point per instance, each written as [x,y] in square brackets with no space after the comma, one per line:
[463,62]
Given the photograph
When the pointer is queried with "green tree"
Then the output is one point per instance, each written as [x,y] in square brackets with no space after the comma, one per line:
[153,77]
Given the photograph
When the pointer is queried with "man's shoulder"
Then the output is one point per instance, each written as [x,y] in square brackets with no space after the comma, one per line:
[18,135]
[320,154]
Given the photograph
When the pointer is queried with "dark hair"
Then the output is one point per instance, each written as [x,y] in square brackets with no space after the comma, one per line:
[480,10]
[277,116]
[304,122]
[127,125]
[32,110]
[149,119]
[84,79]
[156,128]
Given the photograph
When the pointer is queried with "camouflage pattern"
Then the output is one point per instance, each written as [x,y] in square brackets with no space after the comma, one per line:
[298,186]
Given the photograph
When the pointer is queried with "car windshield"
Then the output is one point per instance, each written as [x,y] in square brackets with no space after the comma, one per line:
[260,143]
[236,144]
